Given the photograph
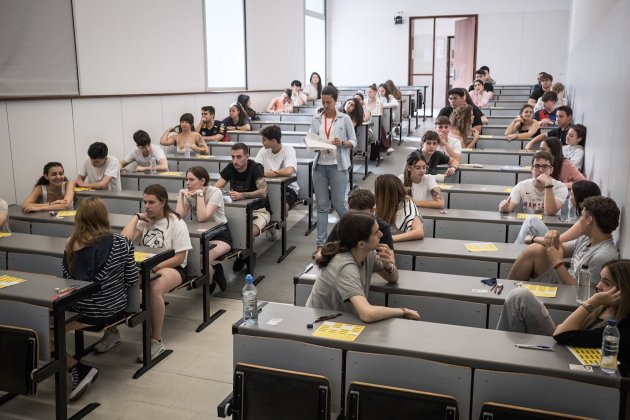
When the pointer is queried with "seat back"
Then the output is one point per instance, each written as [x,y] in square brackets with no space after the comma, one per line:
[264,393]
[18,359]
[497,411]
[371,401]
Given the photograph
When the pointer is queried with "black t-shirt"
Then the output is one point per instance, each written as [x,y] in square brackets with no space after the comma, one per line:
[560,133]
[382,226]
[437,158]
[217,128]
[487,86]
[245,181]
[229,123]
[477,114]
[537,92]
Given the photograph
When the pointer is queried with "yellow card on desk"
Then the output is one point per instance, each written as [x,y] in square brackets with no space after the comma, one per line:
[6,281]
[523,216]
[172,173]
[485,136]
[467,149]
[205,156]
[528,168]
[542,291]
[508,189]
[481,247]
[141,256]
[587,356]
[338,331]
[82,189]
[445,186]
[67,213]
[5,234]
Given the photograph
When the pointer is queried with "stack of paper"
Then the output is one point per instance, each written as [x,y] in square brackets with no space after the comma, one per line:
[314,143]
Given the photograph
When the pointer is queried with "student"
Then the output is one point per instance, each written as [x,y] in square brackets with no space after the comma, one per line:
[281,103]
[457,98]
[574,149]
[184,135]
[424,190]
[246,179]
[161,228]
[99,171]
[346,268]
[211,129]
[373,102]
[523,312]
[558,88]
[541,193]
[486,87]
[533,230]
[314,89]
[238,119]
[207,205]
[397,209]
[361,200]
[433,158]
[4,216]
[564,114]
[94,253]
[544,263]
[330,167]
[246,103]
[479,96]
[367,115]
[524,126]
[298,97]
[461,119]
[487,77]
[278,159]
[563,170]
[353,108]
[449,143]
[52,191]
[544,85]
[547,115]
[143,153]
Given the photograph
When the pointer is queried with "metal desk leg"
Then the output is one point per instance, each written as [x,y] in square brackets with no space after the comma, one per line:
[205,283]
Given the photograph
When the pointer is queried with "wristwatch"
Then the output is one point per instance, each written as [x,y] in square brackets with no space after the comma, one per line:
[588,307]
[200,194]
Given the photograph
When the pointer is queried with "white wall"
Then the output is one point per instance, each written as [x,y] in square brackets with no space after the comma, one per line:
[598,82]
[365,46]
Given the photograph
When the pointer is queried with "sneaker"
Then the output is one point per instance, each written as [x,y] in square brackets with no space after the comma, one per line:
[239,264]
[82,377]
[219,277]
[390,150]
[272,234]
[108,342]
[157,347]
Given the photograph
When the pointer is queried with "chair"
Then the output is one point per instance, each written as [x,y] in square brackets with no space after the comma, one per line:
[379,402]
[18,361]
[265,393]
[496,411]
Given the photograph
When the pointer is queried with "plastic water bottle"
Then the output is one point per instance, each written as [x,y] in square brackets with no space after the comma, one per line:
[584,284]
[250,302]
[572,212]
[187,150]
[153,165]
[610,347]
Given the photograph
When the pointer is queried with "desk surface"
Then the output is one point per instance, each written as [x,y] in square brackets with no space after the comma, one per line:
[456,345]
[449,188]
[498,152]
[250,144]
[454,248]
[494,168]
[482,216]
[228,159]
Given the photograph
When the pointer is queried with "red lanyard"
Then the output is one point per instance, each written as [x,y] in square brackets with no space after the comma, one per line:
[326,128]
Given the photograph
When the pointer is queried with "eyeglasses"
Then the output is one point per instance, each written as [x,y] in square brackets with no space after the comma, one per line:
[541,167]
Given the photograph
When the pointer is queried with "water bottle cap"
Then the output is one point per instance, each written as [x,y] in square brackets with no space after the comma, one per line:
[612,322]
[249,279]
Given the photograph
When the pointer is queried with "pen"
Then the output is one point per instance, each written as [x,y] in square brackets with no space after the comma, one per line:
[323,318]
[308,268]
[534,347]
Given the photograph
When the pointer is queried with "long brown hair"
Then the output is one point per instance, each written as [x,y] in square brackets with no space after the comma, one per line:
[352,228]
[413,157]
[162,195]
[91,224]
[461,120]
[620,277]
[390,195]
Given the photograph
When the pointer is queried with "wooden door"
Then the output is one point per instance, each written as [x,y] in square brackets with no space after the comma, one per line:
[465,51]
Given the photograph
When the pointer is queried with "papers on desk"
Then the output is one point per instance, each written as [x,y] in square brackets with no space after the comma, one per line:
[467,149]
[587,356]
[173,173]
[471,165]
[481,247]
[6,281]
[541,291]
[523,216]
[141,256]
[528,167]
[338,331]
[82,189]
[485,136]
[204,156]
[508,190]
[314,143]
[445,186]
[66,213]
[512,168]
[5,234]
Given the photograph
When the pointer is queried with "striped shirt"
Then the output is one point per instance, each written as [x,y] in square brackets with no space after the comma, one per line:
[111,263]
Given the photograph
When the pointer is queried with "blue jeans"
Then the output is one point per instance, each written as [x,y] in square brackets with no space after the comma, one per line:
[523,312]
[325,176]
[531,226]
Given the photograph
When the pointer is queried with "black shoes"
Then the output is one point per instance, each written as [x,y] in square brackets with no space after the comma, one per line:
[239,264]
[219,277]
[82,377]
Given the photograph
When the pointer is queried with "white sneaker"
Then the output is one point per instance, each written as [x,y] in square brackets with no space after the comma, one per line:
[390,150]
[272,234]
[157,347]
[108,342]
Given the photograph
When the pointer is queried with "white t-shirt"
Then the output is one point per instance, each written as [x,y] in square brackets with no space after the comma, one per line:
[533,200]
[454,143]
[136,156]
[327,157]
[405,216]
[285,158]
[575,154]
[422,191]
[294,98]
[110,168]
[4,209]
[214,196]
[166,233]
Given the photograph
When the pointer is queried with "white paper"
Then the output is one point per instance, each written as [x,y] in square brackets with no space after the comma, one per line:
[314,143]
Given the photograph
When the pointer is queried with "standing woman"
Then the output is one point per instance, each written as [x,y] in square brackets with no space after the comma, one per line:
[246,103]
[461,123]
[161,228]
[524,126]
[479,96]
[52,191]
[330,167]
[314,89]
[397,208]
[206,202]
[424,189]
[93,253]
[563,170]
[238,119]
